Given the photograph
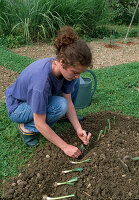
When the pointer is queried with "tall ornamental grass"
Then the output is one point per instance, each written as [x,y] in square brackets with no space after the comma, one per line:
[40,19]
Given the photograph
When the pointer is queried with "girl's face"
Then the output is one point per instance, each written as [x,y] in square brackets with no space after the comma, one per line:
[72,72]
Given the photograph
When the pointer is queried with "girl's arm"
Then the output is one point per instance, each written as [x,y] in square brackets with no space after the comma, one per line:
[72,116]
[48,133]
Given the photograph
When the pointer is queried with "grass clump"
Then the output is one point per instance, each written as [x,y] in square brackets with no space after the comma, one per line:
[38,20]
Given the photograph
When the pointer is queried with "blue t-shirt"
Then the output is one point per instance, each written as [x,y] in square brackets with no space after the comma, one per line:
[34,85]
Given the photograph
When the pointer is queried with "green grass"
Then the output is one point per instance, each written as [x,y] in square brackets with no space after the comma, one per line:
[116,91]
[13,61]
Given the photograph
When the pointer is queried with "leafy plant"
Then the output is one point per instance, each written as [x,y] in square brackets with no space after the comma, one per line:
[122,11]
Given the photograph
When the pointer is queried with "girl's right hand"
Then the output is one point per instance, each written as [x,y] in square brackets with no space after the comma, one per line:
[72,151]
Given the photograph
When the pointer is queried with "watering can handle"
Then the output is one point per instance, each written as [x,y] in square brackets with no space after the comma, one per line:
[95,80]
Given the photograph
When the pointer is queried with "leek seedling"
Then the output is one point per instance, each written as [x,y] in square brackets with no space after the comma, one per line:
[73,170]
[83,161]
[45,197]
[135,158]
[70,182]
[105,130]
[129,157]
[89,142]
[100,133]
[114,119]
[83,151]
[81,148]
[108,120]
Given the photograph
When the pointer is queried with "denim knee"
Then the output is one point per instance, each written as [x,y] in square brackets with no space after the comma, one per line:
[63,105]
[57,106]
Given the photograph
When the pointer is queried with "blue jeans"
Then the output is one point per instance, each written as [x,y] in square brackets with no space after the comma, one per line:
[57,108]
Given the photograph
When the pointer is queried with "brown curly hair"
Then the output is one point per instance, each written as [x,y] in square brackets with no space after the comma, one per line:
[71,49]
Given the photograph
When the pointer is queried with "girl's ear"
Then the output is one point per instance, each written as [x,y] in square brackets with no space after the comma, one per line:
[61,63]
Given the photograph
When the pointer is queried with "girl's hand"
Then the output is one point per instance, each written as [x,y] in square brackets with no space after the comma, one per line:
[83,136]
[71,151]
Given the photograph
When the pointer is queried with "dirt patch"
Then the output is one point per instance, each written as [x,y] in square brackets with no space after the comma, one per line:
[102,57]
[126,43]
[103,178]
[112,46]
[7,77]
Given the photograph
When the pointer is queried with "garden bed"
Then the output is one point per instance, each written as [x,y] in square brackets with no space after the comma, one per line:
[104,177]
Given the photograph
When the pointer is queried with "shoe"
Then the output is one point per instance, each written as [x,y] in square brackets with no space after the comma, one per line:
[28,138]
[65,119]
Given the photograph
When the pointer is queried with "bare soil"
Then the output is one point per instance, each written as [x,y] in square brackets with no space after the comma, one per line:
[105,177]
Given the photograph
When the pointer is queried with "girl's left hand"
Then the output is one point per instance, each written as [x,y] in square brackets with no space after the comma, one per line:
[83,136]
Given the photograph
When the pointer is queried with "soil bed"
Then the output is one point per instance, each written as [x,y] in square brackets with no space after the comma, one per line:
[103,178]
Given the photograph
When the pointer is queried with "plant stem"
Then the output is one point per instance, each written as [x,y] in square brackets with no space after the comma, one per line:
[105,130]
[100,133]
[108,120]
[89,142]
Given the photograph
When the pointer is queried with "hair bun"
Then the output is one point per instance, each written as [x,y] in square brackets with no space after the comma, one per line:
[65,36]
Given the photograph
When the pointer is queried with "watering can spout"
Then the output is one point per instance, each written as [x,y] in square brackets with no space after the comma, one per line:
[86,92]
[82,81]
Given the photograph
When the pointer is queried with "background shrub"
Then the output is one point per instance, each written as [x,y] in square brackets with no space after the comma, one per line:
[122,11]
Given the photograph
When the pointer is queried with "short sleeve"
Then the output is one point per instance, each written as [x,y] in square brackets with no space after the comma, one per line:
[38,101]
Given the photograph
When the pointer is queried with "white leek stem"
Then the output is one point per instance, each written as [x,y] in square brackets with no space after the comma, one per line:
[63,197]
[78,162]
[66,171]
[69,181]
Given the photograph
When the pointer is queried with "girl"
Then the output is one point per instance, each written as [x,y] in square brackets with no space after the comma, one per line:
[47,90]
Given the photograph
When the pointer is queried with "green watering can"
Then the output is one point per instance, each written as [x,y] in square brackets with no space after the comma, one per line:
[86,92]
